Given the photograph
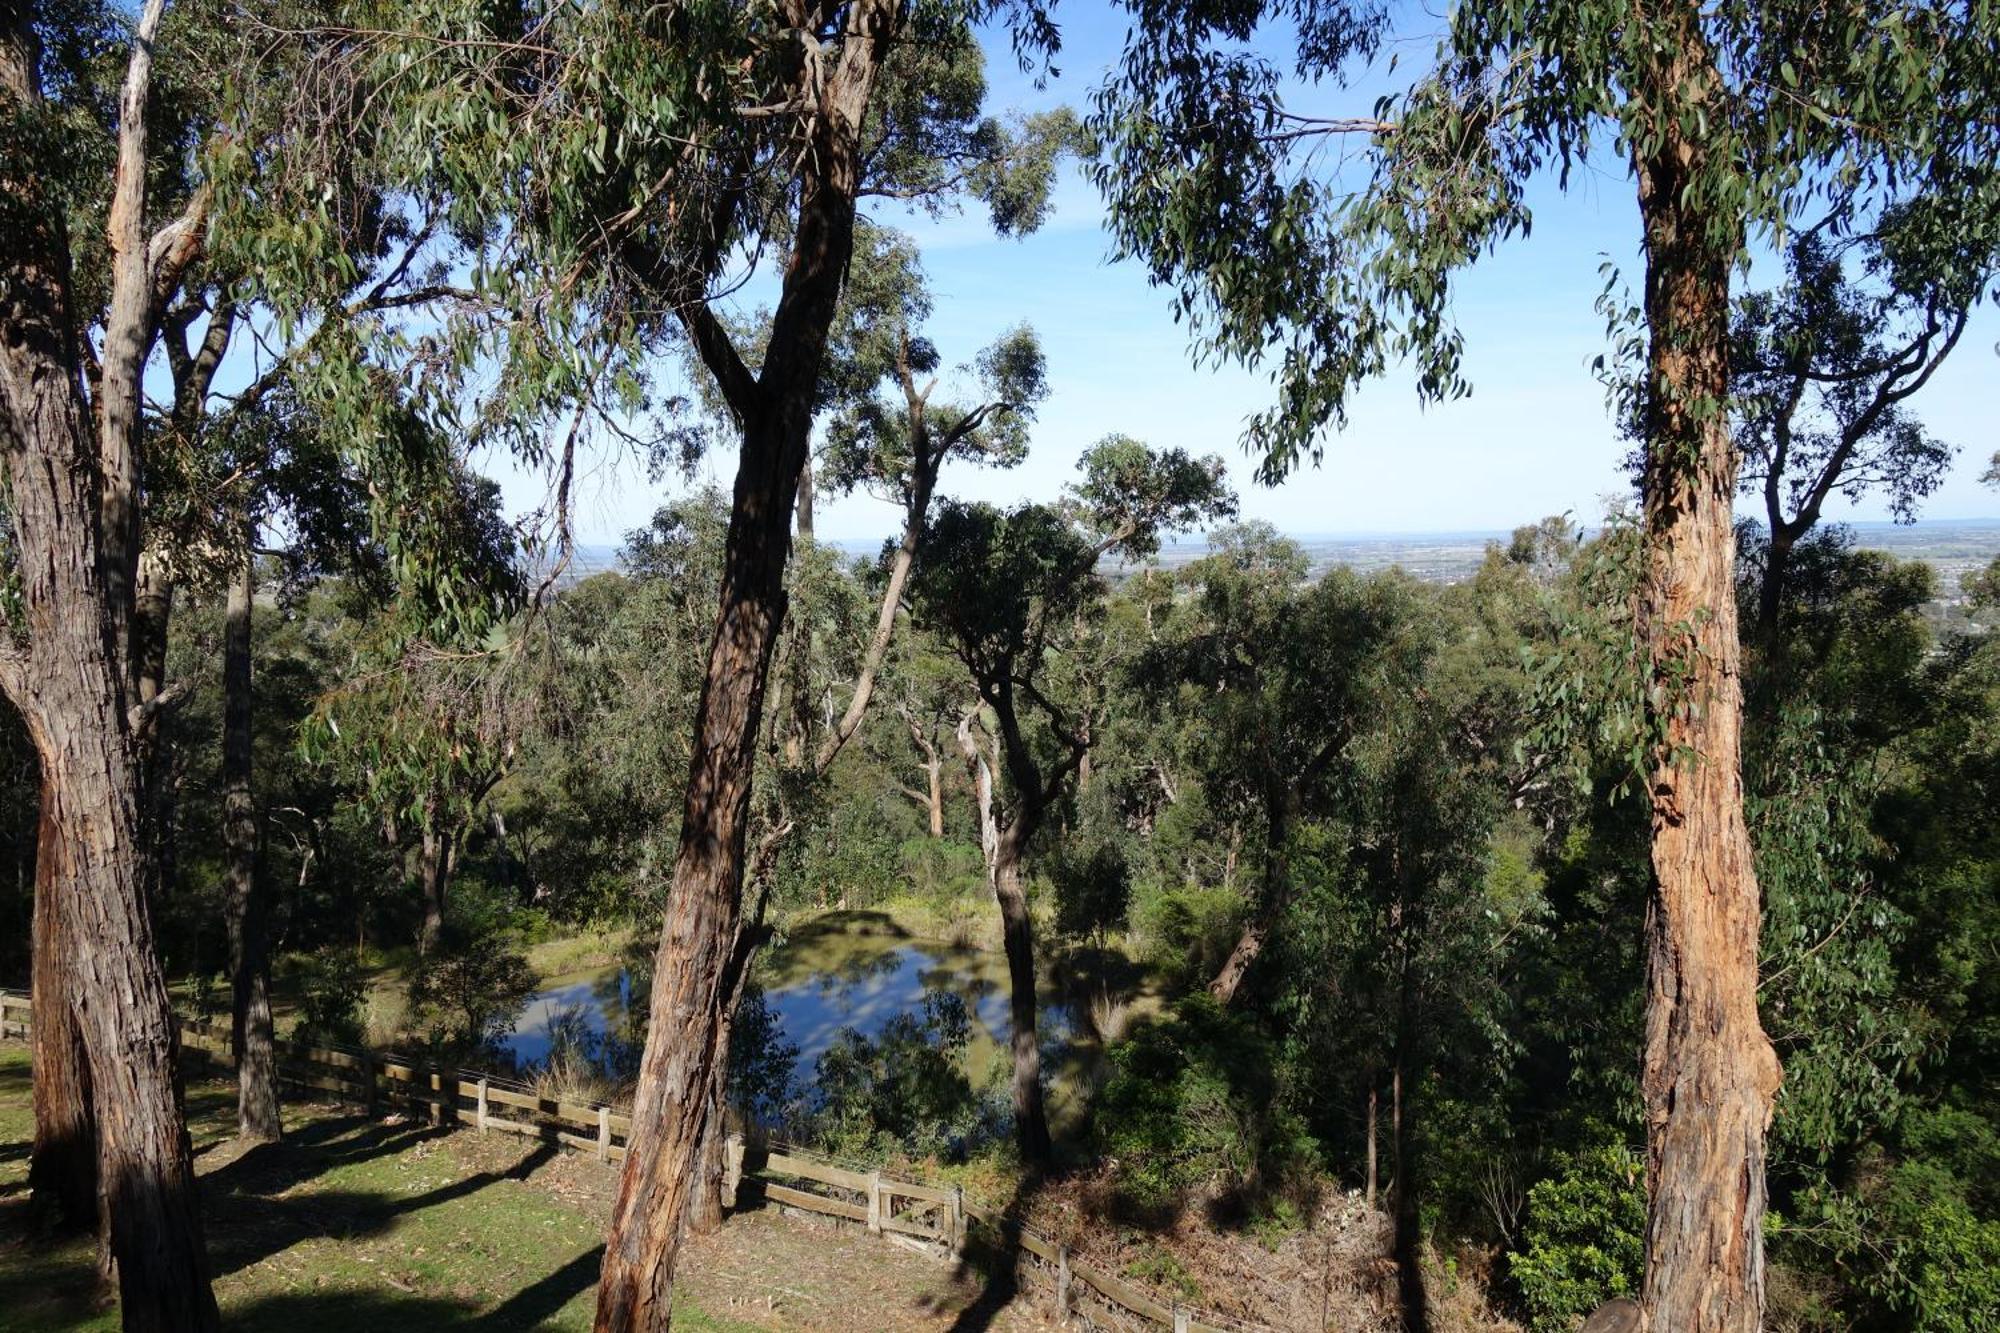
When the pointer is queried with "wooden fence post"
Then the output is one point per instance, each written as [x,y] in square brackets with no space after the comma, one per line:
[732,1168]
[447,1091]
[875,1202]
[368,1082]
[1062,1283]
[482,1105]
[957,1221]
[1180,1318]
[603,1133]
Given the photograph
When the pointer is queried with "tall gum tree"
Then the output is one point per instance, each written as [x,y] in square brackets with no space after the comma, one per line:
[72,440]
[1011,591]
[774,409]
[1733,123]
[889,431]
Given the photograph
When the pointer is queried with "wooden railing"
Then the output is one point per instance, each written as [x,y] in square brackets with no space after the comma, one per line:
[926,1211]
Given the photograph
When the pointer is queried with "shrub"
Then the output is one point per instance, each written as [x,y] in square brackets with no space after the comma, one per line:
[464,997]
[905,1089]
[330,992]
[1192,1105]
[1584,1237]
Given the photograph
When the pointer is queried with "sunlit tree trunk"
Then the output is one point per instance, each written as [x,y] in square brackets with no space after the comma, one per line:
[72,472]
[1709,1075]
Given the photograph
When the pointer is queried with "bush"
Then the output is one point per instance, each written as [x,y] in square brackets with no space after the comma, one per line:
[465,997]
[1584,1237]
[1192,1106]
[1186,929]
[330,991]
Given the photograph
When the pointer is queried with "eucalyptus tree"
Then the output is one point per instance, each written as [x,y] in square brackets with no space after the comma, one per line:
[1734,124]
[1004,588]
[425,723]
[1824,367]
[1284,675]
[889,434]
[1010,591]
[73,345]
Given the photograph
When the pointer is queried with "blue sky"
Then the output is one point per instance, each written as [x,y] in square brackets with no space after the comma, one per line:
[1533,439]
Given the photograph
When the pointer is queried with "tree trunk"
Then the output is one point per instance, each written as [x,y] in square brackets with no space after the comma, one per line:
[1273,896]
[249,962]
[1031,1124]
[1411,1293]
[805,500]
[65,664]
[62,1169]
[691,981]
[922,483]
[981,766]
[1373,1135]
[118,997]
[934,785]
[1771,593]
[433,872]
[1709,1075]
[690,970]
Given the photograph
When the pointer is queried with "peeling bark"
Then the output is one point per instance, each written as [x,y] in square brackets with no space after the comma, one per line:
[1709,1075]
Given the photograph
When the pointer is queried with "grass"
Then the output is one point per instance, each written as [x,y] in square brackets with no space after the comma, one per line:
[348,1224]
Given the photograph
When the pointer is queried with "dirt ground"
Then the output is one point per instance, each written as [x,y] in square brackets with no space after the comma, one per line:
[778,1269]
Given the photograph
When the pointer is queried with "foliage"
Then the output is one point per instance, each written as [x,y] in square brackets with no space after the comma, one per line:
[462,997]
[904,1090]
[1191,1109]
[1583,1240]
[329,987]
[761,1061]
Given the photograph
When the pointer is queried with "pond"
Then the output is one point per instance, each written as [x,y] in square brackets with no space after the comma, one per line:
[859,971]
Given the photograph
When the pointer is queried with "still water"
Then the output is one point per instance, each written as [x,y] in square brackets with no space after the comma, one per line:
[850,971]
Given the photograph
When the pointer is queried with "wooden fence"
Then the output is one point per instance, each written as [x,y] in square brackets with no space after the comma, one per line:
[928,1212]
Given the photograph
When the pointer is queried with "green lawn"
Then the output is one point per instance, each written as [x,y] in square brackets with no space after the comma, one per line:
[349,1225]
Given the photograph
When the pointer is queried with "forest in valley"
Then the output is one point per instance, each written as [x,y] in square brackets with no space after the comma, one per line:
[1603,940]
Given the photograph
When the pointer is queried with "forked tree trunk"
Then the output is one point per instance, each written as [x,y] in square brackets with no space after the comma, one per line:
[691,973]
[74,491]
[1709,1075]
[1273,896]
[257,1118]
[1031,1123]
[691,967]
[62,1169]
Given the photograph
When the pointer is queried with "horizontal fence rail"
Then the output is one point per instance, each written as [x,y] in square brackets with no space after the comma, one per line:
[925,1211]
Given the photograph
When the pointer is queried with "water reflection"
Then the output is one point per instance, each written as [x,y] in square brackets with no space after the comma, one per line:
[825,979]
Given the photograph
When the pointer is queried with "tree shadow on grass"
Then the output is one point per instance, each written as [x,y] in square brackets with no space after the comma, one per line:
[260,1218]
[533,1307]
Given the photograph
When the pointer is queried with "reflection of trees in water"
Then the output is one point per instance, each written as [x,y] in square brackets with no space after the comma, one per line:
[761,1062]
[906,1087]
[578,1046]
[859,969]
[623,998]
